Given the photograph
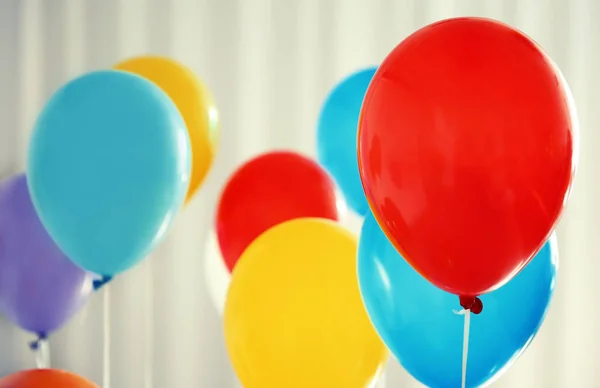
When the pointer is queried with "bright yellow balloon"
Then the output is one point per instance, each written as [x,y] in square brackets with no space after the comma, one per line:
[195,103]
[294,317]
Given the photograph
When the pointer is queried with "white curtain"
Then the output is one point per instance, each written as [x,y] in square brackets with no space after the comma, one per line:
[270,64]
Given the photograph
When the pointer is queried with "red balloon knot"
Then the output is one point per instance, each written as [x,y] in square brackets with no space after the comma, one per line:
[472,303]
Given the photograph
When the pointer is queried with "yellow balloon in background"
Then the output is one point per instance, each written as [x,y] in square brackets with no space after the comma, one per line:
[294,317]
[195,103]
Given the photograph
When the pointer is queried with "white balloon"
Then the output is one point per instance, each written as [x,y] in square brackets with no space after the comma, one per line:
[217,274]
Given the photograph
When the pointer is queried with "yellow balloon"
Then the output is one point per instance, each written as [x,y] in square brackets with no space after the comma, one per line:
[294,317]
[195,103]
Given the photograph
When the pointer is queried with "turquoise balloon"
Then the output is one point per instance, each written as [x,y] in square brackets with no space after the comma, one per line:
[108,169]
[417,322]
[337,132]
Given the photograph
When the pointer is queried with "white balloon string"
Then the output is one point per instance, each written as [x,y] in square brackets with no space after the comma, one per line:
[106,339]
[149,335]
[42,355]
[45,350]
[39,359]
[41,350]
[465,351]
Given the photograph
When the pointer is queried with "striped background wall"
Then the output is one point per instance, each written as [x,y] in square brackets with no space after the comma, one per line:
[270,63]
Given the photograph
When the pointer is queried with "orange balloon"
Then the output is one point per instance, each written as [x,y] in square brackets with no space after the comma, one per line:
[45,378]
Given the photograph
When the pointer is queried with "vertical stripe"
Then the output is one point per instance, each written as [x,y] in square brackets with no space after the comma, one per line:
[74,37]
[53,50]
[159,26]
[282,57]
[10,77]
[255,77]
[101,34]
[31,62]
[14,15]
[309,94]
[579,266]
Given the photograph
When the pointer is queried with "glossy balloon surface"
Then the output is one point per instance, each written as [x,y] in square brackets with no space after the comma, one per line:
[419,324]
[269,189]
[467,150]
[40,288]
[294,317]
[195,103]
[108,169]
[45,378]
[336,136]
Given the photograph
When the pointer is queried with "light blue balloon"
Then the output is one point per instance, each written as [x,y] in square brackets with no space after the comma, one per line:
[416,320]
[109,166]
[337,137]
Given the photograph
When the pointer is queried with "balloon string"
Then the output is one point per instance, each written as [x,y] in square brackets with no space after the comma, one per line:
[106,340]
[465,351]
[99,283]
[45,350]
[41,350]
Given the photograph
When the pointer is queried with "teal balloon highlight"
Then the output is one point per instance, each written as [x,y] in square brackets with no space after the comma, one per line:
[337,133]
[418,323]
[108,169]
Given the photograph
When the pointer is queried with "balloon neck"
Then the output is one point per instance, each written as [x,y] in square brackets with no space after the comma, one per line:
[99,283]
[471,303]
[35,345]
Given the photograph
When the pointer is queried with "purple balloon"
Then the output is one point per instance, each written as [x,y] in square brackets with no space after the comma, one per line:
[40,288]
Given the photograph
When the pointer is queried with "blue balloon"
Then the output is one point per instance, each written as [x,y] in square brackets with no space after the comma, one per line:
[416,320]
[337,135]
[109,167]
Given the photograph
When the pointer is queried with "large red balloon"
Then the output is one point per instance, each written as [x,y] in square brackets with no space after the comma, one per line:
[467,150]
[267,190]
[45,378]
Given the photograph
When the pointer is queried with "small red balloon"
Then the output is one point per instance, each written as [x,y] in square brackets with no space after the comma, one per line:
[267,190]
[45,378]
[467,150]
